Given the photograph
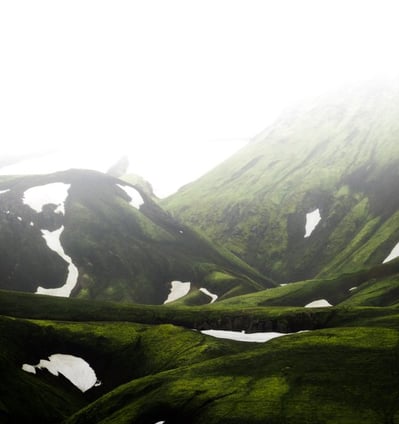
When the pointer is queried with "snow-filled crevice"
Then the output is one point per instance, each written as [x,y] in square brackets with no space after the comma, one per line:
[136,199]
[178,289]
[312,220]
[52,239]
[208,293]
[53,193]
[319,303]
[73,368]
[393,255]
[242,336]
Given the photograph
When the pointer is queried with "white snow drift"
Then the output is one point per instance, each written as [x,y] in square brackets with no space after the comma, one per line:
[319,303]
[208,293]
[4,191]
[135,197]
[75,369]
[393,255]
[53,242]
[53,193]
[312,220]
[241,336]
[178,290]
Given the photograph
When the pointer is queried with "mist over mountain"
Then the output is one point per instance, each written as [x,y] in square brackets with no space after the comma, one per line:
[267,291]
[337,158]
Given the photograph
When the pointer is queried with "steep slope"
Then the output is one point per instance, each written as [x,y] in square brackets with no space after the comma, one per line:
[87,234]
[314,195]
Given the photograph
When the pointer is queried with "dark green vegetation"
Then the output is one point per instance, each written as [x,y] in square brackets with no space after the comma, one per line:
[341,155]
[343,372]
[376,286]
[122,253]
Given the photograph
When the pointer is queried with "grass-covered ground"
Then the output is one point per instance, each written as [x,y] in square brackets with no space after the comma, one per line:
[374,286]
[155,367]
[339,155]
[326,376]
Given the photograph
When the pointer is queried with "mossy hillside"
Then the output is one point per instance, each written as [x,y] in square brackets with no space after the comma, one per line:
[335,376]
[117,352]
[216,316]
[374,286]
[122,253]
[340,155]
[156,372]
[25,257]
[282,319]
[24,398]
[383,292]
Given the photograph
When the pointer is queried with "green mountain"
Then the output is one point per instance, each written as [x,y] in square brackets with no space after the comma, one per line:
[310,202]
[337,158]
[113,249]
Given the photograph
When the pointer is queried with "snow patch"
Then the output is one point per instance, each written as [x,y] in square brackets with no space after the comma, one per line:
[53,193]
[4,191]
[241,336]
[160,422]
[135,197]
[312,220]
[19,218]
[320,303]
[352,288]
[393,255]
[29,368]
[75,369]
[208,293]
[52,239]
[178,289]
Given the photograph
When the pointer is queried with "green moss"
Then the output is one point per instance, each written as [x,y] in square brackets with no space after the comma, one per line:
[339,155]
[282,381]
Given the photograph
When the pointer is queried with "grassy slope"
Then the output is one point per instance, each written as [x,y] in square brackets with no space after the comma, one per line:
[376,286]
[335,376]
[339,155]
[162,372]
[122,254]
[117,352]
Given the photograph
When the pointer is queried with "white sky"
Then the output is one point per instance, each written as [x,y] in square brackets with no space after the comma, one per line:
[176,84]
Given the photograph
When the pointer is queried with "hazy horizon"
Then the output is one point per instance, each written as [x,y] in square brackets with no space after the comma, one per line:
[178,86]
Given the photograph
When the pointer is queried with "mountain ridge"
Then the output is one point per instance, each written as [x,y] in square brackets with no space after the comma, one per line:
[122,251]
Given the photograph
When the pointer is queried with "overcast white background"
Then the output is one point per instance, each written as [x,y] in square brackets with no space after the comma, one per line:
[178,85]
